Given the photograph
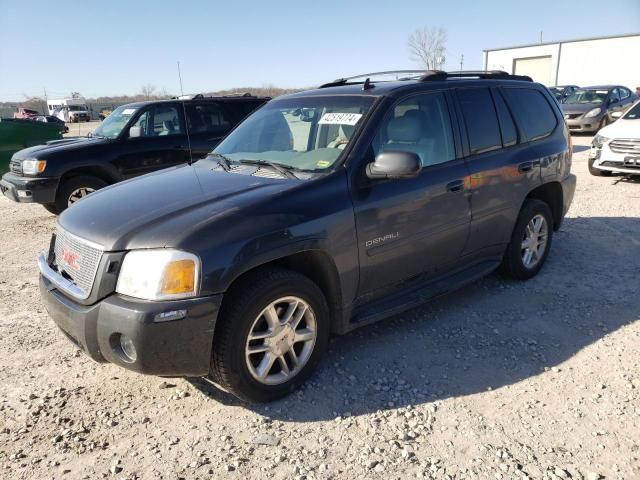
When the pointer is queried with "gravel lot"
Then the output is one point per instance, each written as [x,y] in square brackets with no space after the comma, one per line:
[500,380]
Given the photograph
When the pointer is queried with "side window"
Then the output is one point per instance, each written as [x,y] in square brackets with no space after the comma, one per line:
[624,93]
[166,121]
[507,127]
[419,124]
[532,112]
[143,124]
[211,118]
[614,96]
[481,120]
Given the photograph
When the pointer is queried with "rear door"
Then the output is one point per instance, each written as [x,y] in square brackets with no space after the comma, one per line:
[502,169]
[208,123]
[415,226]
[162,141]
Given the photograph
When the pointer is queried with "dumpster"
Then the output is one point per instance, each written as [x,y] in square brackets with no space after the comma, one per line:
[18,134]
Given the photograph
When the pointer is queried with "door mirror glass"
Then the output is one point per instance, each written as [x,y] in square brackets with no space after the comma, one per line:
[135,131]
[395,164]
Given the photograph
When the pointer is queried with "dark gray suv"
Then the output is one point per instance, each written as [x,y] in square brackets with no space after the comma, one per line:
[322,212]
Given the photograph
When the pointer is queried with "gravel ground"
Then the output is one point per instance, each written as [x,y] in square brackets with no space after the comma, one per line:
[500,380]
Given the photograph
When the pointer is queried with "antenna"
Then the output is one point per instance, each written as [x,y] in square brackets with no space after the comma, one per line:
[184,112]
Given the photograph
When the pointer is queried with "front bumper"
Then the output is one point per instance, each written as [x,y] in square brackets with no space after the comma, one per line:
[582,124]
[180,347]
[28,189]
[605,159]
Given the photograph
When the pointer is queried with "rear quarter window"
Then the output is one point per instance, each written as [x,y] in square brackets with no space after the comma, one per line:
[532,111]
[480,119]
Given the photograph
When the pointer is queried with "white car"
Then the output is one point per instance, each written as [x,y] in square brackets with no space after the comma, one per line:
[616,147]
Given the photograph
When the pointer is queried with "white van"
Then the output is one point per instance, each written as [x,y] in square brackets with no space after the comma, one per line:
[69,109]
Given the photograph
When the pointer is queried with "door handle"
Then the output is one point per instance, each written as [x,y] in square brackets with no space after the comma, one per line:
[525,167]
[455,186]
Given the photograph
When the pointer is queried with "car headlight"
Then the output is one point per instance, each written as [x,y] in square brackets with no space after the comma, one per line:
[162,274]
[599,140]
[33,166]
[593,113]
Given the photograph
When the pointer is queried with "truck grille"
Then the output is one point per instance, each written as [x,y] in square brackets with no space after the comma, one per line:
[625,145]
[76,259]
[15,167]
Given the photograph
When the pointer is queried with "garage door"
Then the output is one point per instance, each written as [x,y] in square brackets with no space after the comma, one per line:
[538,68]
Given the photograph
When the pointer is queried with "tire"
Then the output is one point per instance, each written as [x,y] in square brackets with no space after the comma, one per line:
[72,185]
[242,314]
[596,172]
[51,208]
[513,263]
[603,123]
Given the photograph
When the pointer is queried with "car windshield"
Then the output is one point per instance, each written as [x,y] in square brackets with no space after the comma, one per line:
[300,133]
[633,113]
[587,96]
[114,123]
[77,108]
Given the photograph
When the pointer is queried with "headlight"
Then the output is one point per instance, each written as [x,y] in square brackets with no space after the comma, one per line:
[599,140]
[593,113]
[33,167]
[162,274]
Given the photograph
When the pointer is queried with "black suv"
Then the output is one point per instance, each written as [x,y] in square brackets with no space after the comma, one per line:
[324,211]
[135,139]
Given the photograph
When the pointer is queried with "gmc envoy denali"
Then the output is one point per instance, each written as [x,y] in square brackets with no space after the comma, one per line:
[324,211]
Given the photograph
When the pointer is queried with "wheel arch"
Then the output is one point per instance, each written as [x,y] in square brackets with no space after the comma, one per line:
[98,171]
[551,193]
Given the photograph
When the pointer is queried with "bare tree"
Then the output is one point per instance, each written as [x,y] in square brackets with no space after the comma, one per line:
[148,90]
[427,46]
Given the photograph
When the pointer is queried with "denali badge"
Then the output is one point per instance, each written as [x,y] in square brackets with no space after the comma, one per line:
[70,259]
[376,241]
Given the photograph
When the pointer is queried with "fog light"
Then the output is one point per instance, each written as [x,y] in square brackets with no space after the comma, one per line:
[128,348]
[24,193]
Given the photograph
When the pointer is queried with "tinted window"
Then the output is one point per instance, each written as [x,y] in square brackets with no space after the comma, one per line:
[507,127]
[481,120]
[421,125]
[614,96]
[624,93]
[208,117]
[532,111]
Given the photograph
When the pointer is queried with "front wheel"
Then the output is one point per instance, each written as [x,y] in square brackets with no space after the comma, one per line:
[530,241]
[76,188]
[272,332]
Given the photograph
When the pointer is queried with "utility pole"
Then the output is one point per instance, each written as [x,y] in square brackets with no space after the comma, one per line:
[180,77]
[461,61]
[540,36]
[45,109]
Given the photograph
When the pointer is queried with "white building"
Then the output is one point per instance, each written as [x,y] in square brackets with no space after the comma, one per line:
[583,62]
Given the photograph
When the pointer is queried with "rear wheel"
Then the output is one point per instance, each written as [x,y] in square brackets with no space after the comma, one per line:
[272,332]
[76,188]
[530,241]
[596,172]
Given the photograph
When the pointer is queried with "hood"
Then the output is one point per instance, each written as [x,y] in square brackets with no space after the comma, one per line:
[580,107]
[622,129]
[58,146]
[159,209]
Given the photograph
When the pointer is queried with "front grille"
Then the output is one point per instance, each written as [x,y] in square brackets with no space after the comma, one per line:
[15,166]
[625,145]
[76,259]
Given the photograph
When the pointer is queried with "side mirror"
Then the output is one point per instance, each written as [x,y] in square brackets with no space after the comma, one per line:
[616,115]
[395,164]
[135,132]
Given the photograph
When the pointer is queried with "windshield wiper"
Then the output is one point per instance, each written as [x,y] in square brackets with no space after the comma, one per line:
[284,170]
[223,161]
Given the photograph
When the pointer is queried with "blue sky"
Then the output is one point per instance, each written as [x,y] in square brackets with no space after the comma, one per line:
[113,46]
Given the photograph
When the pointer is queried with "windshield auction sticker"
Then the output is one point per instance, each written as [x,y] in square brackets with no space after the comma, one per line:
[340,118]
[128,111]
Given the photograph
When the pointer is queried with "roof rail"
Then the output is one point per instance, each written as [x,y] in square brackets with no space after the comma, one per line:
[481,74]
[406,75]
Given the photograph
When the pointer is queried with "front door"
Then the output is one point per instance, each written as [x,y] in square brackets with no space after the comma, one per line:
[416,226]
[155,140]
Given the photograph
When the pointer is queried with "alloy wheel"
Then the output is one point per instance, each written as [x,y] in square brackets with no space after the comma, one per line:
[534,242]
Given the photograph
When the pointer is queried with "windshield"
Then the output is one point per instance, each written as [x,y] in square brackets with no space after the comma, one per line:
[114,123]
[633,113]
[302,133]
[77,108]
[587,96]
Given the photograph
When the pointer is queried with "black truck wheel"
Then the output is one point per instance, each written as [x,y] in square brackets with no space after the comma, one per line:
[271,334]
[75,188]
[530,241]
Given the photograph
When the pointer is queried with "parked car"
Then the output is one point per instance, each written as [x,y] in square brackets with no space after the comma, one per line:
[563,91]
[616,148]
[25,113]
[104,113]
[589,109]
[54,120]
[17,134]
[324,211]
[135,139]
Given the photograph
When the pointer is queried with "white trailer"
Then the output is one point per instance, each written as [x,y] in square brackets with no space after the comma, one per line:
[69,109]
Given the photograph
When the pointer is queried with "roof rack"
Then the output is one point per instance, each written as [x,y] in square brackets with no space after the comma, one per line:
[428,75]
